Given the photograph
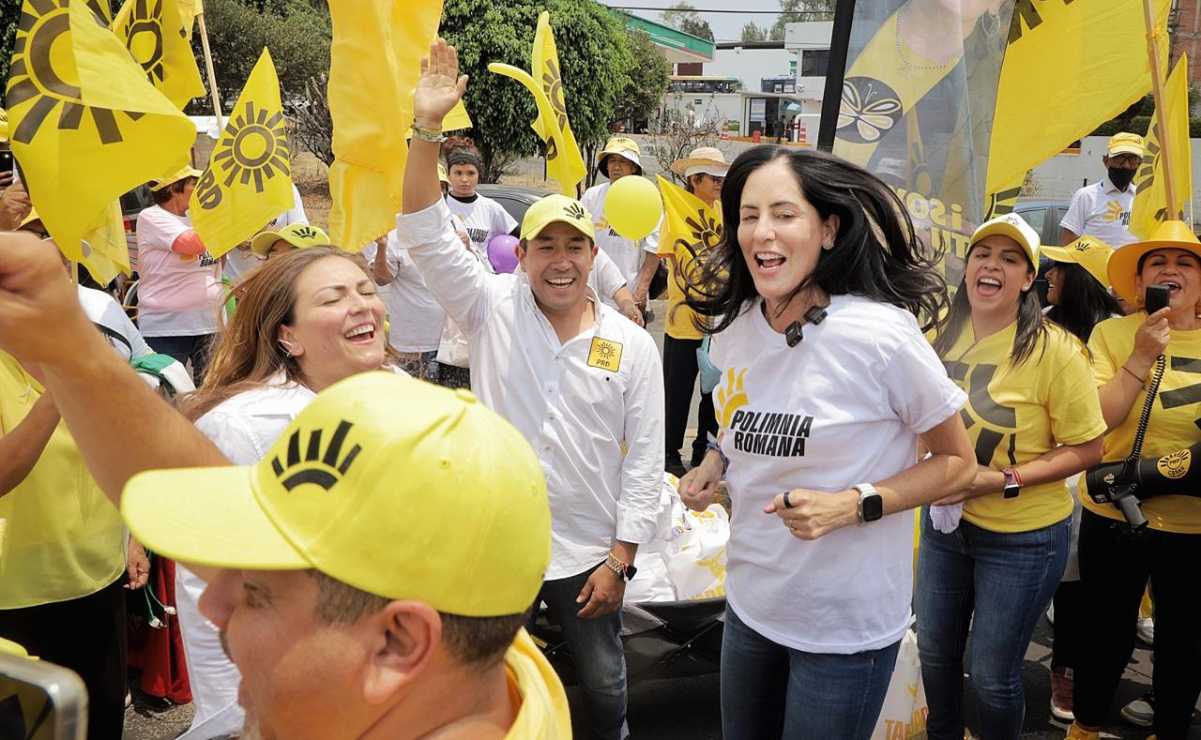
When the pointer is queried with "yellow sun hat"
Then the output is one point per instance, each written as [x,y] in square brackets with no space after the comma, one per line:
[394,486]
[300,236]
[1089,252]
[1123,265]
[623,147]
[1014,227]
[557,209]
[181,174]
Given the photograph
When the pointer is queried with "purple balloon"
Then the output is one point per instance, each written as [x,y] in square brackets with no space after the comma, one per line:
[502,252]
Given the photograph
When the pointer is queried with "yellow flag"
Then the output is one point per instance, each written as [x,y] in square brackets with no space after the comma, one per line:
[153,31]
[85,124]
[375,62]
[565,163]
[248,181]
[690,229]
[1151,202]
[105,251]
[1068,68]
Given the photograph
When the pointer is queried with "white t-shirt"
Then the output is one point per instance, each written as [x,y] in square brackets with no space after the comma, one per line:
[484,218]
[844,406]
[294,215]
[178,295]
[1103,211]
[627,255]
[101,308]
[240,262]
[605,278]
[414,316]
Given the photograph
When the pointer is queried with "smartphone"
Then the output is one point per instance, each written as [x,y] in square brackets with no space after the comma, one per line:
[41,701]
[6,160]
[1156,298]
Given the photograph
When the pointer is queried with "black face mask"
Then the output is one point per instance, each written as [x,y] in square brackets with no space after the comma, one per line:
[1120,177]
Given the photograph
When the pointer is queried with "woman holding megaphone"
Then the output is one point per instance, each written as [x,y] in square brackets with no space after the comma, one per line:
[1158,539]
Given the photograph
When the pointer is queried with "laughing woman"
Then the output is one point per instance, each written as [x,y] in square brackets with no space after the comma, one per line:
[820,578]
[1035,419]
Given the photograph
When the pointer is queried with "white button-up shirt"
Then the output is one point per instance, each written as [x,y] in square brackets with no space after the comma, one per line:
[582,404]
[1103,211]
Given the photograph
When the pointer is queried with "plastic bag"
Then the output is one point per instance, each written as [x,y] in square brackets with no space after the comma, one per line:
[905,707]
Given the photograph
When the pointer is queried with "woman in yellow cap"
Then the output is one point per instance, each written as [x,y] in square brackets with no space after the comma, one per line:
[1133,356]
[992,557]
[1080,299]
[305,320]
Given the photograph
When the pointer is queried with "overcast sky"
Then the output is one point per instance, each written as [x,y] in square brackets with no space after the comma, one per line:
[726,26]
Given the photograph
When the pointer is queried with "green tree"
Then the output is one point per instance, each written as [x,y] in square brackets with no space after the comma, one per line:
[798,11]
[684,17]
[648,80]
[754,32]
[594,54]
[9,14]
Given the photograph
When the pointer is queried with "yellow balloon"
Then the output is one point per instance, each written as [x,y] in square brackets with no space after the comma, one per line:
[633,207]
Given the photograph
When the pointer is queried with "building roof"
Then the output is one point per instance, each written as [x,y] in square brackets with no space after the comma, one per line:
[675,45]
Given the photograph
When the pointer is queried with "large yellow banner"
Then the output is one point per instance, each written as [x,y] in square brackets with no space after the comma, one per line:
[155,35]
[1151,206]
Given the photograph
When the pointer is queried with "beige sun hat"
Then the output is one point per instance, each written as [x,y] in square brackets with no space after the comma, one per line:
[708,160]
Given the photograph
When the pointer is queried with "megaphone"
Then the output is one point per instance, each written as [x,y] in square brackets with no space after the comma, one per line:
[1126,484]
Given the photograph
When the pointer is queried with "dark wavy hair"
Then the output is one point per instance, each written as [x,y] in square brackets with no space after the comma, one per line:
[876,252]
[1083,302]
[1031,329]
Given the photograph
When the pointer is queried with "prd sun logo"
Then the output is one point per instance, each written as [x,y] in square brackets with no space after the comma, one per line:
[253,147]
[143,32]
[43,71]
[730,396]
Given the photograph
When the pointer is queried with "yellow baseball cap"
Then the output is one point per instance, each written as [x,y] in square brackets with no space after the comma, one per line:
[181,174]
[557,208]
[1014,227]
[1126,143]
[298,235]
[1089,252]
[394,486]
[1123,265]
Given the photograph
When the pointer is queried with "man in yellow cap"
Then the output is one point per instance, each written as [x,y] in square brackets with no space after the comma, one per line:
[581,382]
[180,291]
[1102,209]
[274,242]
[379,561]
[637,260]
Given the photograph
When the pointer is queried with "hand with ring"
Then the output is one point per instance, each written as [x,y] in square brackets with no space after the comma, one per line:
[812,514]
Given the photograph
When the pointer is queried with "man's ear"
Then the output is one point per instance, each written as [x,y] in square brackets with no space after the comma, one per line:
[403,639]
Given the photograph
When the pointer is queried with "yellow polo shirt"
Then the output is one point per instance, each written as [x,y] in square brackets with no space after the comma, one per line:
[63,538]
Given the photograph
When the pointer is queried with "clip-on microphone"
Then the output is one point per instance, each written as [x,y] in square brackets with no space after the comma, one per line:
[793,334]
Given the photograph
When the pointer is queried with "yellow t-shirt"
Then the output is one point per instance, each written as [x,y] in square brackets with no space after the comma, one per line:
[544,714]
[1174,416]
[63,539]
[1016,414]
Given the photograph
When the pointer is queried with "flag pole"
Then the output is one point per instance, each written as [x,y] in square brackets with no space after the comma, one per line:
[208,66]
[1161,111]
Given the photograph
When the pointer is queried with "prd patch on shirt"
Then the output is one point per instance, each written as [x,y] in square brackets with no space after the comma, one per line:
[605,354]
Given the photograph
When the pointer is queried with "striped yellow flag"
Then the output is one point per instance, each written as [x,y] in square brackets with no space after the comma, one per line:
[1068,68]
[153,31]
[248,181]
[690,229]
[85,124]
[1151,202]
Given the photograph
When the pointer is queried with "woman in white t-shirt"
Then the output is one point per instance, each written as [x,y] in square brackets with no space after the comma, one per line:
[815,298]
[179,294]
[305,321]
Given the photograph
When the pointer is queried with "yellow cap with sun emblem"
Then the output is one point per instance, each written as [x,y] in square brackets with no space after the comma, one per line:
[557,209]
[300,236]
[1089,252]
[396,487]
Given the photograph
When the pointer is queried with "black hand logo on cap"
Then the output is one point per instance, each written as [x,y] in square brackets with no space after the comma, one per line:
[316,468]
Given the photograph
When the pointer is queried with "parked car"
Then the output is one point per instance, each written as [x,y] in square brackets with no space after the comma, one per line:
[515,200]
[1044,217]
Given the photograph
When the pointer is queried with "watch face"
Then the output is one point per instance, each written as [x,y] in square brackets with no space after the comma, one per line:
[873,507]
[630,572]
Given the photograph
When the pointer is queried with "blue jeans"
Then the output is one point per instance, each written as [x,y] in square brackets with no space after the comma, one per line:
[1004,579]
[596,650]
[770,691]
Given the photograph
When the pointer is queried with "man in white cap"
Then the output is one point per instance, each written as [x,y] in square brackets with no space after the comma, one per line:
[180,291]
[704,172]
[1102,209]
[582,383]
[637,260]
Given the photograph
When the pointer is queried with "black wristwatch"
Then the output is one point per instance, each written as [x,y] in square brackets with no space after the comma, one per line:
[871,504]
[624,570]
[1013,483]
